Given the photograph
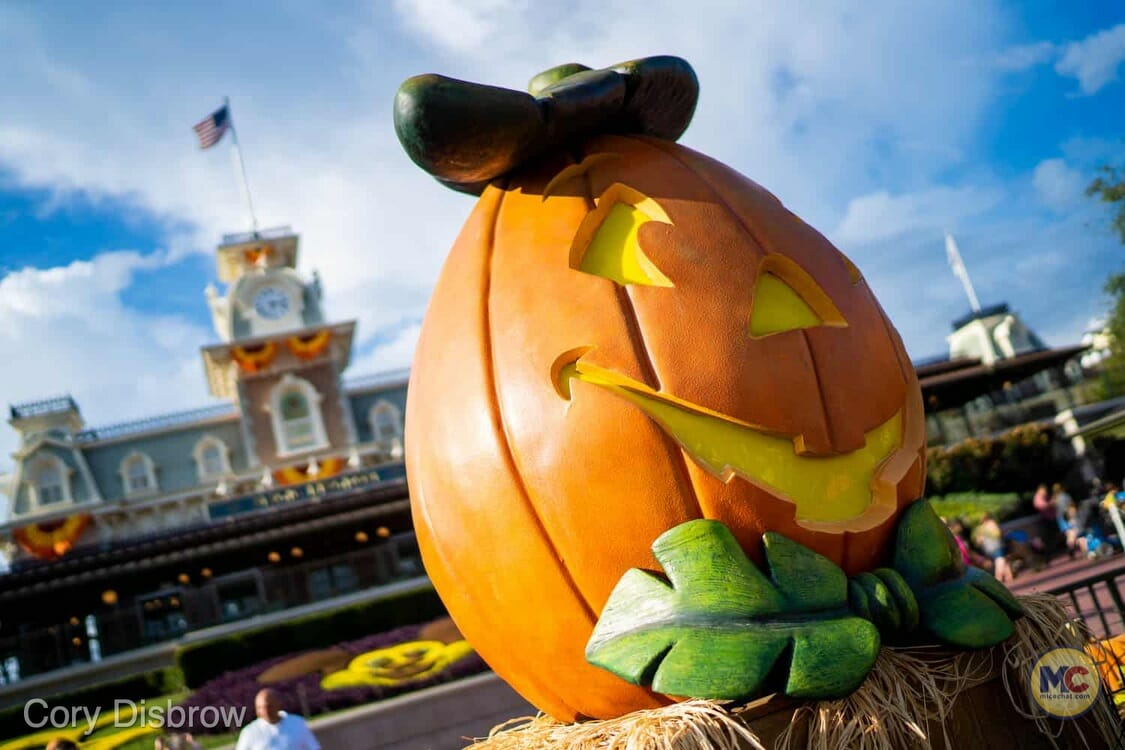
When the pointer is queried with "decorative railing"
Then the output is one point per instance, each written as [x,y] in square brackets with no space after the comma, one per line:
[157,422]
[42,406]
[1097,600]
[263,234]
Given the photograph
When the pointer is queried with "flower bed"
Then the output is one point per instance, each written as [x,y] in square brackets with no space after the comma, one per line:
[303,694]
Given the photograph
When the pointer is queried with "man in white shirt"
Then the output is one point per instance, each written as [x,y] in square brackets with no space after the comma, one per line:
[274,729]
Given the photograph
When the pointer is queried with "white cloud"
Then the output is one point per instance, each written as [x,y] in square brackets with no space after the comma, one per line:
[1059,185]
[809,98]
[1033,263]
[326,161]
[817,101]
[880,215]
[1024,56]
[461,25]
[371,223]
[1092,152]
[67,331]
[1041,264]
[395,353]
[1094,61]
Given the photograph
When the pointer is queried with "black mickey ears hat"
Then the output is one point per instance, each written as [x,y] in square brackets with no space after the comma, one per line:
[466,134]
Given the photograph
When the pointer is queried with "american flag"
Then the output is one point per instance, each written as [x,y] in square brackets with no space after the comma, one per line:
[210,130]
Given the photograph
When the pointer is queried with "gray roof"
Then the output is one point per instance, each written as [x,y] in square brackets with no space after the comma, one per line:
[169,440]
[156,423]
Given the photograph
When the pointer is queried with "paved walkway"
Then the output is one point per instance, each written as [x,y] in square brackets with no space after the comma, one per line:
[445,717]
[1088,582]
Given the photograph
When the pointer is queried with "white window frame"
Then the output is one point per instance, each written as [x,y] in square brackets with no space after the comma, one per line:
[134,458]
[201,446]
[44,462]
[383,407]
[312,397]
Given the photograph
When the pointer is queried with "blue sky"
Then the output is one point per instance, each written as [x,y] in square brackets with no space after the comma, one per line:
[881,123]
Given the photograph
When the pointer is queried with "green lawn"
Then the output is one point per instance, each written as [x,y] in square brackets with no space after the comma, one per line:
[970,506]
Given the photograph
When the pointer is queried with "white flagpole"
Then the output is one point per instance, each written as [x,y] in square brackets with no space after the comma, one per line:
[241,165]
[960,271]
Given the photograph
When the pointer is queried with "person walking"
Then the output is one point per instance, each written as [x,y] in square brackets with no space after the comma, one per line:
[275,729]
[1044,504]
[1067,514]
[988,537]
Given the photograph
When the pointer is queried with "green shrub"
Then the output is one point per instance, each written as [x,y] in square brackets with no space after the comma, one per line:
[200,662]
[1016,461]
[135,688]
[971,506]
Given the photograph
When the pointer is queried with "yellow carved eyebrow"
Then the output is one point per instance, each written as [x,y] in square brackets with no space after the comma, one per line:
[786,297]
[607,243]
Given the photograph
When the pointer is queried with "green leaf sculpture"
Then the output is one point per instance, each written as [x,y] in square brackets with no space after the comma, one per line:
[718,627]
[961,605]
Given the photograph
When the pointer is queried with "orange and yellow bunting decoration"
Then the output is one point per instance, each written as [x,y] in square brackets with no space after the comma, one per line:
[309,346]
[50,540]
[326,467]
[254,358]
[257,254]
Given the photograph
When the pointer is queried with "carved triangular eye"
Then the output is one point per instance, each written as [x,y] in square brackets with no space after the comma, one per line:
[607,243]
[787,298]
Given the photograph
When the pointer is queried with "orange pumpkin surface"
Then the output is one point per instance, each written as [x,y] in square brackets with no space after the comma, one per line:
[549,428]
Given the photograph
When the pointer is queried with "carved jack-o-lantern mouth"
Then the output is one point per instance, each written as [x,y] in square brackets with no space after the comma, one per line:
[824,489]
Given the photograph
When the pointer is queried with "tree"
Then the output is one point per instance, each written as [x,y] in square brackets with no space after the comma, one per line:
[1110,188]
[1113,367]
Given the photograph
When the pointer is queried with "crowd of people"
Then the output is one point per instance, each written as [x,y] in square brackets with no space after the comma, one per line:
[1089,528]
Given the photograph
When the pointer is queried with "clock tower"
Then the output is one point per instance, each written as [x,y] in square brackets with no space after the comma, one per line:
[278,358]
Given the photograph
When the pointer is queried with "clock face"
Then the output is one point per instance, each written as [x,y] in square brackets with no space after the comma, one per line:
[271,302]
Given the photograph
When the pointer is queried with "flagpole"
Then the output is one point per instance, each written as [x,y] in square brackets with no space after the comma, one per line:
[241,165]
[960,271]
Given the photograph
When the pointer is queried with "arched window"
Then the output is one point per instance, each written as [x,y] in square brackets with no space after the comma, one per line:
[138,474]
[296,420]
[212,459]
[295,410]
[50,480]
[386,425]
[49,486]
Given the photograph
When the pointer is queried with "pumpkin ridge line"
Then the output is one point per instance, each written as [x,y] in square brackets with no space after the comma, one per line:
[436,548]
[892,333]
[505,440]
[819,385]
[628,309]
[721,200]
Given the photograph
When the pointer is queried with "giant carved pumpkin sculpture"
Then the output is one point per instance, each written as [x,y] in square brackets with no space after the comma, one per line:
[628,336]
